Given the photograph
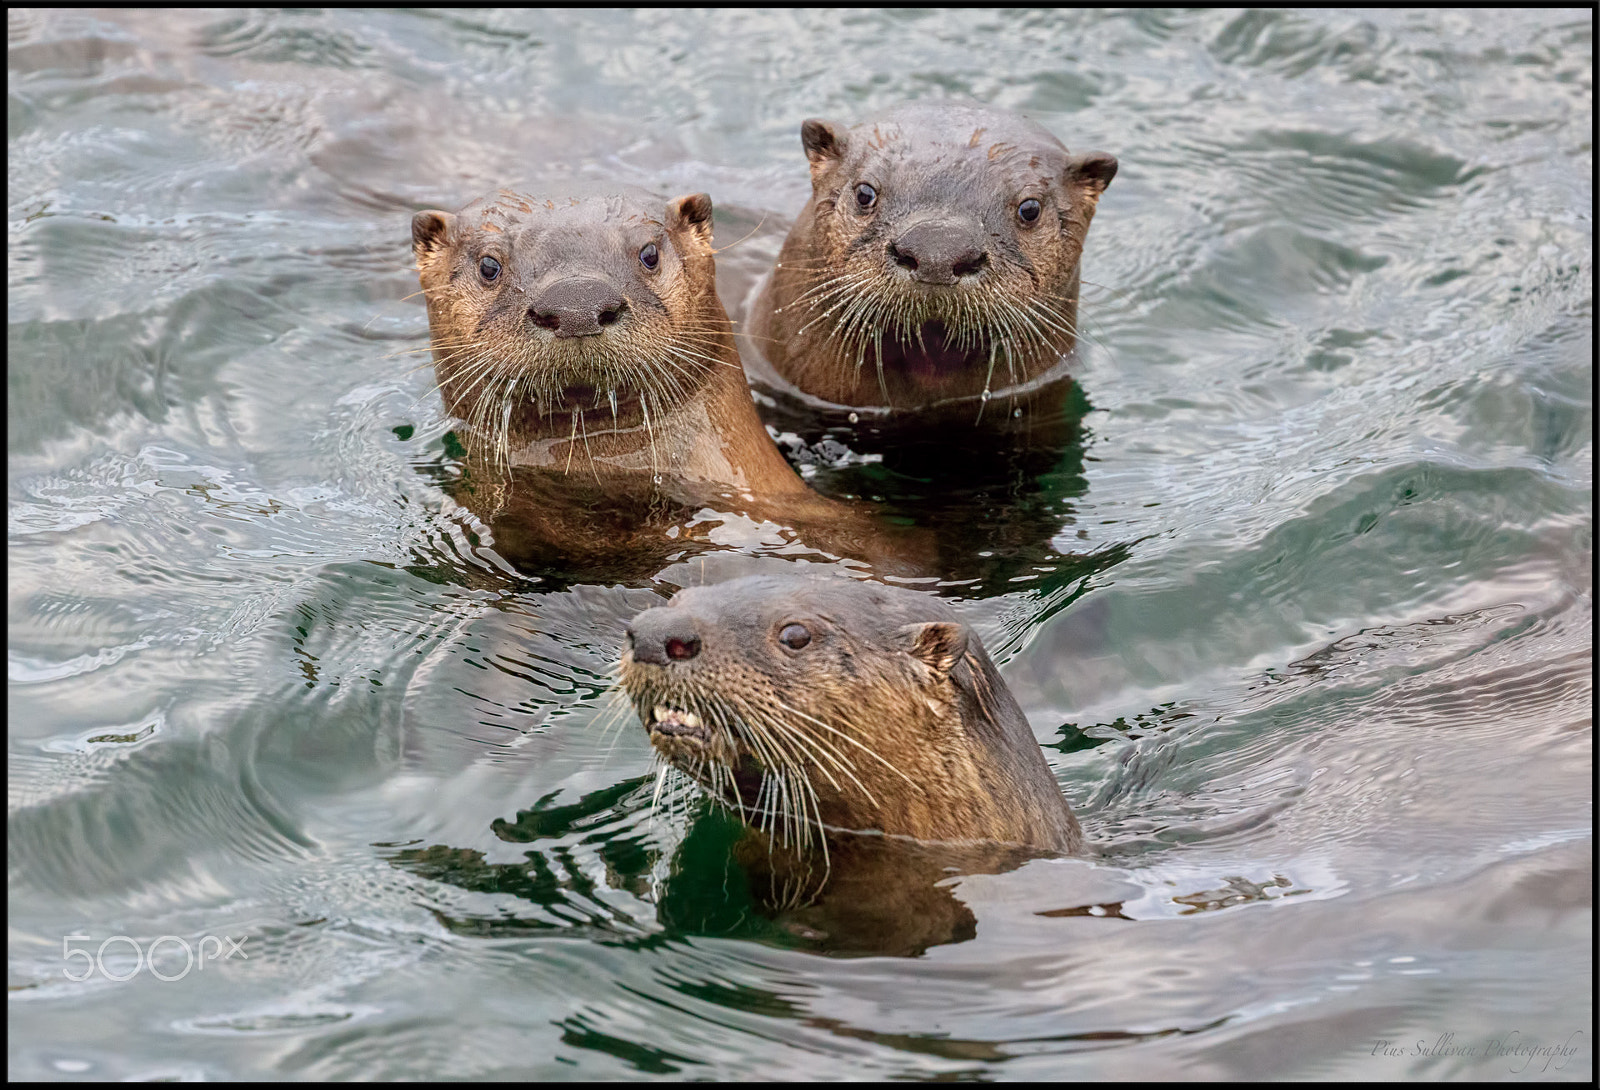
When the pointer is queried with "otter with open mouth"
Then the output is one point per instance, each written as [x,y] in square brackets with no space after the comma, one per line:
[818,707]
[937,261]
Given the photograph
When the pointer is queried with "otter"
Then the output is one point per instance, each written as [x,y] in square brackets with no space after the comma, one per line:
[818,707]
[581,339]
[585,332]
[936,263]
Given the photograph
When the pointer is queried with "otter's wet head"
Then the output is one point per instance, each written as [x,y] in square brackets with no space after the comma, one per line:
[938,258]
[571,314]
[808,705]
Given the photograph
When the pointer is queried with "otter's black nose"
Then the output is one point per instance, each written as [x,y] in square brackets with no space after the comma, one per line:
[663,635]
[939,253]
[576,307]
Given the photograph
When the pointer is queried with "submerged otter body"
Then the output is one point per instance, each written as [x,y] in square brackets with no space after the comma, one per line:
[581,339]
[814,707]
[936,262]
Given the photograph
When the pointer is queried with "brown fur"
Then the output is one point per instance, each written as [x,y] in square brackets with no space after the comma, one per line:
[593,454]
[844,319]
[534,399]
[890,718]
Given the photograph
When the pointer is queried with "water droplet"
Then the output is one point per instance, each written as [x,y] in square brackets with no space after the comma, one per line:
[986,395]
[854,419]
[1017,414]
[656,478]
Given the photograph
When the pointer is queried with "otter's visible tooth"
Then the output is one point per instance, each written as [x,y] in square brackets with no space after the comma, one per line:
[661,712]
[690,719]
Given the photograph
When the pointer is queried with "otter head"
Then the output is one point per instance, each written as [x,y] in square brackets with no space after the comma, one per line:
[945,247]
[805,704]
[553,312]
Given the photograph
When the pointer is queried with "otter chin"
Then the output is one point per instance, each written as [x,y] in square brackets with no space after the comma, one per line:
[937,260]
[816,707]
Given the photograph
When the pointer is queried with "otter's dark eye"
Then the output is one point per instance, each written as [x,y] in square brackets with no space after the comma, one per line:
[794,636]
[1028,210]
[650,257]
[866,196]
[489,268]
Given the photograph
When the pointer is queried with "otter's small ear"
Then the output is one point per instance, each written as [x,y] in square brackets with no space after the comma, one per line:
[824,143]
[1092,171]
[691,214]
[940,644]
[430,230]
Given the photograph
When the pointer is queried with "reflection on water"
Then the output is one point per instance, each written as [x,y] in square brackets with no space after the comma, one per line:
[1297,596]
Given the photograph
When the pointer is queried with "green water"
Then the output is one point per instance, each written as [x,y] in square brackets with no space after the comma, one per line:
[1310,652]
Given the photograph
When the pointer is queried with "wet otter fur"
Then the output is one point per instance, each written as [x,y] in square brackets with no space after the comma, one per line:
[583,332]
[937,261]
[819,707]
[580,337]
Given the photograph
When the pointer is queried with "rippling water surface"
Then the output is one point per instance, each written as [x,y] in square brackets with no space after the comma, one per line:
[1324,699]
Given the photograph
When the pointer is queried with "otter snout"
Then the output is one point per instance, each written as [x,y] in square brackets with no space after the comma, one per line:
[576,307]
[939,251]
[662,635]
